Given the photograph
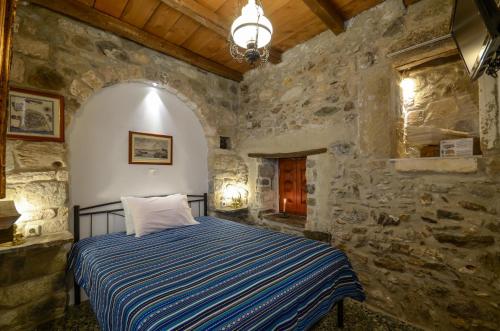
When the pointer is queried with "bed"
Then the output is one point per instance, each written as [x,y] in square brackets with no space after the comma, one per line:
[218,275]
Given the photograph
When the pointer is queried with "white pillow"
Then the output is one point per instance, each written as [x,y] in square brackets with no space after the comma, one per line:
[159,213]
[129,222]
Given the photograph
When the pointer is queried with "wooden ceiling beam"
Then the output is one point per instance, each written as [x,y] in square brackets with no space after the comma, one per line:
[210,20]
[327,13]
[109,23]
[200,14]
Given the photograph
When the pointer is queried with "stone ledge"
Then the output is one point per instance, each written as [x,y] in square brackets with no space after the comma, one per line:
[49,240]
[462,165]
[294,221]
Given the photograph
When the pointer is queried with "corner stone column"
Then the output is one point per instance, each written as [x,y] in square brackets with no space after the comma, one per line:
[489,117]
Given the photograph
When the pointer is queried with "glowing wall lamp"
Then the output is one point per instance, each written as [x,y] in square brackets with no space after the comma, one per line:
[233,196]
[8,216]
[408,88]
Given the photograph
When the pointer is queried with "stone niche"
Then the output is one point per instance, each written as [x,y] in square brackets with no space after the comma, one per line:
[266,200]
[438,102]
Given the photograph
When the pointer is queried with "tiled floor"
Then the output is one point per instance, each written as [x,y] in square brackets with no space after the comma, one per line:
[357,317]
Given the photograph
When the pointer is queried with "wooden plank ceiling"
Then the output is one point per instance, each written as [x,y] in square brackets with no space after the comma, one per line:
[196,31]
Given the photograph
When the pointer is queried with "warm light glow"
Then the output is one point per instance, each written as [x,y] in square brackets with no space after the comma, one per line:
[250,26]
[408,88]
[152,107]
[233,196]
[23,206]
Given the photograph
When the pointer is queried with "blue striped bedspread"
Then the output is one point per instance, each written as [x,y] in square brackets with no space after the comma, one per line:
[218,275]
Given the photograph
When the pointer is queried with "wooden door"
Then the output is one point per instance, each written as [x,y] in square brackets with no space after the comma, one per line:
[7,14]
[292,186]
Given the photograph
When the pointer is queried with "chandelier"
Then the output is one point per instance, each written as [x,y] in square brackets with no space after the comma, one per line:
[250,36]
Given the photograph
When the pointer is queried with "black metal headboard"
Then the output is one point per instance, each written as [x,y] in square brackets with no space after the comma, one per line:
[91,211]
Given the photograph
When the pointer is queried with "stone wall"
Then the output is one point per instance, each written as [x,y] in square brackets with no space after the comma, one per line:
[422,235]
[59,55]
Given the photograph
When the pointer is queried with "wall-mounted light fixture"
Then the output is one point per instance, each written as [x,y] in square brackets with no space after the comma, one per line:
[234,196]
[408,89]
[8,216]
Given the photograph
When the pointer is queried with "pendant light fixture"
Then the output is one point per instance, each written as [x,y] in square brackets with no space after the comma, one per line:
[251,34]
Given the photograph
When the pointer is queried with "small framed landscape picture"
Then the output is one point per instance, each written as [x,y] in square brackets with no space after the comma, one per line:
[35,116]
[148,148]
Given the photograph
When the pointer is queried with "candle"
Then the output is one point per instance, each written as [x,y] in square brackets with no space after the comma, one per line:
[284,205]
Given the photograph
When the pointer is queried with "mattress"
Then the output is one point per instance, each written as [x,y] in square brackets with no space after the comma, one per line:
[217,275]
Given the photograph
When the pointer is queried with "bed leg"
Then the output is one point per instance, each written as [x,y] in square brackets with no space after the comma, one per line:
[77,294]
[340,314]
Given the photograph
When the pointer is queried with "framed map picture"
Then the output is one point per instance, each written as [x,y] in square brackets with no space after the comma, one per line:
[35,116]
[148,148]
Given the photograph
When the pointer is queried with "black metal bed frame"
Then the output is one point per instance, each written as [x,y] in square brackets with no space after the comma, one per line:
[91,211]
[199,199]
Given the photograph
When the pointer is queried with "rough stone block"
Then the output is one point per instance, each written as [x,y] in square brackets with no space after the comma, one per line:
[38,263]
[42,195]
[318,236]
[26,177]
[440,213]
[17,70]
[439,165]
[386,219]
[263,182]
[33,155]
[80,90]
[92,79]
[469,241]
[389,263]
[23,292]
[46,78]
[266,170]
[31,47]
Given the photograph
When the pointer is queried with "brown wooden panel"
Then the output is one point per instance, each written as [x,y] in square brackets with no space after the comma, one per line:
[287,41]
[7,16]
[327,13]
[181,30]
[351,8]
[138,12]
[288,188]
[229,8]
[271,6]
[292,186]
[162,20]
[203,38]
[111,7]
[213,5]
[281,19]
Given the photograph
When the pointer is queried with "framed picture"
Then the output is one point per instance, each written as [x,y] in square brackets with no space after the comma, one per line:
[34,115]
[148,148]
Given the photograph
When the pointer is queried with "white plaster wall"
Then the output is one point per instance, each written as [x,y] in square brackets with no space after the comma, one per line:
[98,145]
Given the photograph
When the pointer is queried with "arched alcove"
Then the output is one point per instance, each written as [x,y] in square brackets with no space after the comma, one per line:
[98,144]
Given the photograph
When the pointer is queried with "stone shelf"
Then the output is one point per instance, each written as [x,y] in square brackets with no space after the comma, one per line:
[49,240]
[294,221]
[461,165]
[238,215]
